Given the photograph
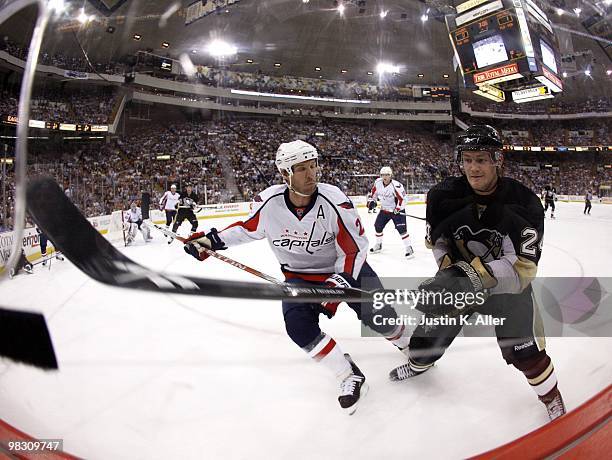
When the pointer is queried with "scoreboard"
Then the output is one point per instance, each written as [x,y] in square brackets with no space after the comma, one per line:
[504,46]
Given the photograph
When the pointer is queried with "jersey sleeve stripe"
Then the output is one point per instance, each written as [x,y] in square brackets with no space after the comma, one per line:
[348,246]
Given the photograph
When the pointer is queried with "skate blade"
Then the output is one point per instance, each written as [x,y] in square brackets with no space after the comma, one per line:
[410,257]
[362,394]
[375,251]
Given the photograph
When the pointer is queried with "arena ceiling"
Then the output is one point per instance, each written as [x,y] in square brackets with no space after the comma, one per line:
[300,36]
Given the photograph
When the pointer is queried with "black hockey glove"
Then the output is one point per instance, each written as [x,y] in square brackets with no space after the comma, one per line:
[456,287]
[371,205]
[195,244]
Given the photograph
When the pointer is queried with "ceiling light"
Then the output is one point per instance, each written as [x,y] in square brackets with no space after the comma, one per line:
[82,17]
[318,69]
[249,61]
[609,71]
[305,1]
[385,67]
[219,48]
[424,18]
[383,14]
[445,75]
[165,45]
[343,71]
[370,72]
[341,9]
[194,51]
[277,64]
[564,74]
[560,12]
[137,37]
[420,75]
[577,11]
[587,72]
[110,29]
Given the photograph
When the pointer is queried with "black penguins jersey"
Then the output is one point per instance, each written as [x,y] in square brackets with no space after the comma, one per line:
[550,195]
[188,200]
[504,230]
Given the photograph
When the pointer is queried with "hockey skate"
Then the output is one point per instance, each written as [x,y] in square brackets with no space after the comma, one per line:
[404,372]
[44,257]
[554,405]
[376,249]
[409,253]
[352,389]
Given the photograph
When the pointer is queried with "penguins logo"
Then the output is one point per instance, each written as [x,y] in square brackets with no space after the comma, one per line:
[485,243]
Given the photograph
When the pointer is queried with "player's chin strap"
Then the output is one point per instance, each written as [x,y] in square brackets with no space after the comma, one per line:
[294,190]
[290,185]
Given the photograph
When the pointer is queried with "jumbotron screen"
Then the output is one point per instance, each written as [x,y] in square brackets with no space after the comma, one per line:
[489,40]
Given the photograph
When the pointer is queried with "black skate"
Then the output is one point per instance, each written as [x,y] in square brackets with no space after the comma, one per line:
[405,371]
[352,389]
[409,253]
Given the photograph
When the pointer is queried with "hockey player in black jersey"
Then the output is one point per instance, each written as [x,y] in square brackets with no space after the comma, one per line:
[550,196]
[186,205]
[486,231]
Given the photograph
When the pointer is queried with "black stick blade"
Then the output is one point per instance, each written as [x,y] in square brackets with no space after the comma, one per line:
[25,338]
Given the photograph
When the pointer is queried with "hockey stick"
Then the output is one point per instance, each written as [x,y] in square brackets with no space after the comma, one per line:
[95,256]
[24,338]
[410,215]
[48,258]
[225,259]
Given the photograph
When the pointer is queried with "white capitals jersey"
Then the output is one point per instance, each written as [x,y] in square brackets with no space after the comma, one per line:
[391,196]
[133,215]
[170,200]
[323,238]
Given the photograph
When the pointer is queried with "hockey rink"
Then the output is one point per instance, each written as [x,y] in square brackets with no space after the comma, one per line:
[153,376]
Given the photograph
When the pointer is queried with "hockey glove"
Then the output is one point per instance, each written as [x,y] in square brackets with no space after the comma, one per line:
[397,210]
[337,280]
[456,287]
[371,205]
[196,243]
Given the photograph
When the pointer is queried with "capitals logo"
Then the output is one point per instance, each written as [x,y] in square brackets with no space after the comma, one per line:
[484,243]
[310,243]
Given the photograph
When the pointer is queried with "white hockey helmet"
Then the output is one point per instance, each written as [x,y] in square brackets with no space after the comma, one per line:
[292,153]
[386,170]
[173,186]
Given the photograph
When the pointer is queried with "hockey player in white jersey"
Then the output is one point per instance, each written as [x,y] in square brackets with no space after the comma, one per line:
[134,222]
[317,236]
[391,195]
[169,203]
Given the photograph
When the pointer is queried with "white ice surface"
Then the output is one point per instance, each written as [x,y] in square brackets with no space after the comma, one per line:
[149,376]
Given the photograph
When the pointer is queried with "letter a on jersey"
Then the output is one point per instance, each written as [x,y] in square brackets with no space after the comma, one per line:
[320,212]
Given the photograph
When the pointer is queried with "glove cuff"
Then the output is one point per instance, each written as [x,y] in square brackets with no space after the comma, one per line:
[342,280]
[484,272]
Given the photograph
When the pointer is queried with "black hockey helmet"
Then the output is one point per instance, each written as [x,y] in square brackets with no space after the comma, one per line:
[479,137]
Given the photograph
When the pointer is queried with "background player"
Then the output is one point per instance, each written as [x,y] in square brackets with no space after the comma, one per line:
[391,195]
[587,202]
[317,237]
[169,203]
[486,234]
[134,222]
[186,204]
[550,196]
